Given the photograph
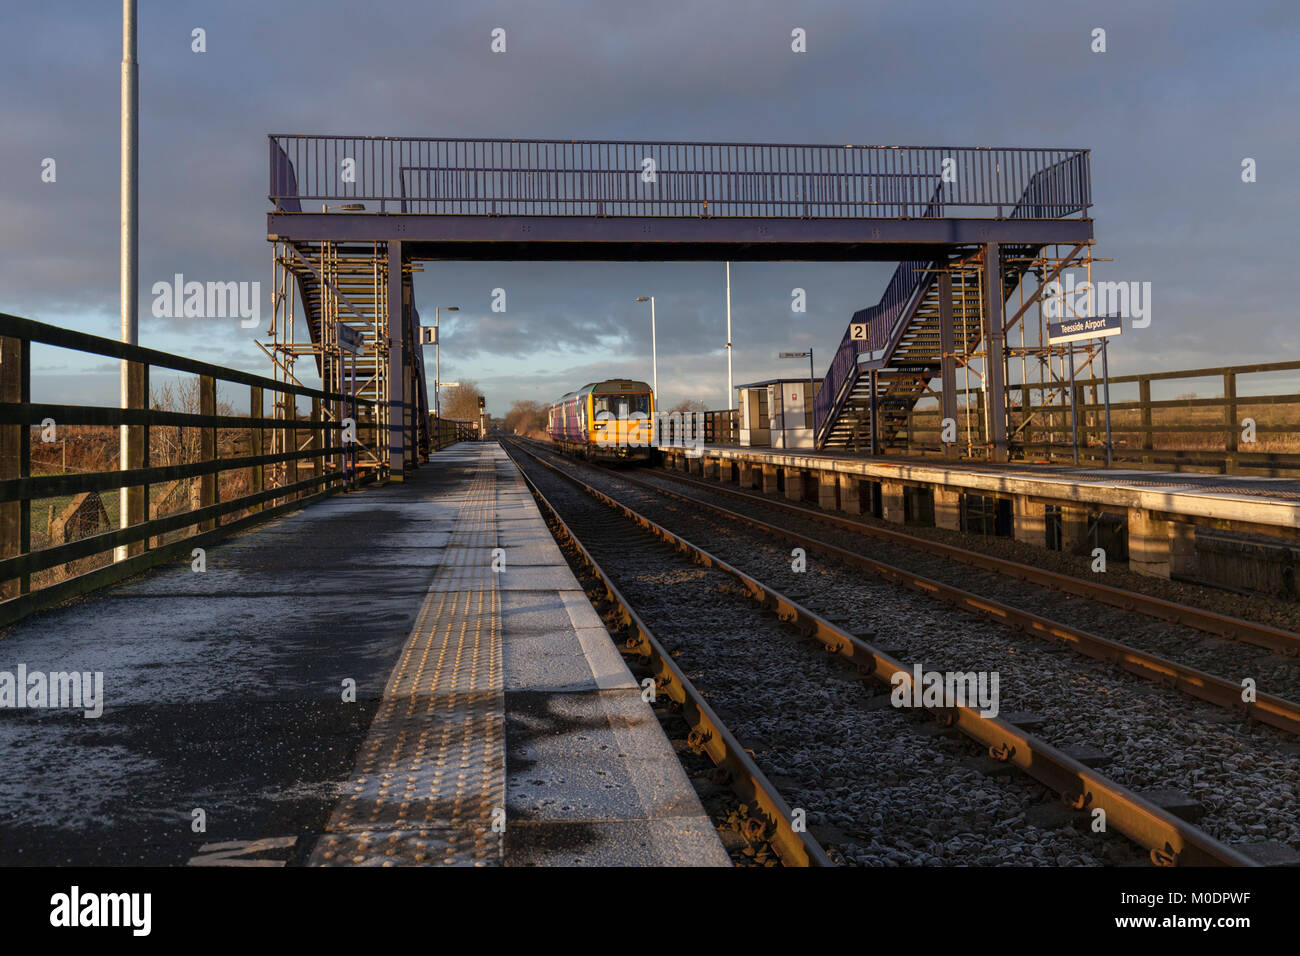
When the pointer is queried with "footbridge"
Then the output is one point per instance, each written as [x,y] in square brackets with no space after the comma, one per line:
[352,218]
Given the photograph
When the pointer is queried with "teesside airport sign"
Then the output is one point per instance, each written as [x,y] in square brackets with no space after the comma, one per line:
[1072,330]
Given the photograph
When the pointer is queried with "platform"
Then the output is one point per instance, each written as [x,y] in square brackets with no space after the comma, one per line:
[492,721]
[1265,503]
[1162,511]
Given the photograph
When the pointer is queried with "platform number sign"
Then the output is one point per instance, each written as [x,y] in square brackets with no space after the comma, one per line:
[858,331]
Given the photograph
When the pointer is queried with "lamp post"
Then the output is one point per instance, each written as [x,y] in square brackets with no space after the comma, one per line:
[730,392]
[654,349]
[130,238]
[437,360]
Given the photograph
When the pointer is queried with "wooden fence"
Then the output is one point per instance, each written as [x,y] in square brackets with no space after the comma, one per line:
[1248,426]
[300,471]
[448,431]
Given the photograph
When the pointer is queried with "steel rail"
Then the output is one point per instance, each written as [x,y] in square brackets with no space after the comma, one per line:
[1221,625]
[1169,840]
[708,733]
[1266,708]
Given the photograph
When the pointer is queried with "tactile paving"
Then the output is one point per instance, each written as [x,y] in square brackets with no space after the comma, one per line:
[431,773]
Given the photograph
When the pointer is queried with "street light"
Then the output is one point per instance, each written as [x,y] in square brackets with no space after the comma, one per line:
[437,359]
[130,248]
[730,392]
[654,349]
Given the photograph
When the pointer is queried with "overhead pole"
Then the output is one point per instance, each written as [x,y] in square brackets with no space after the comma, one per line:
[130,238]
[730,390]
[654,349]
[654,346]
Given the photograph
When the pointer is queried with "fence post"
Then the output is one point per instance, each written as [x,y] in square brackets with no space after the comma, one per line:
[1230,417]
[15,459]
[290,442]
[256,474]
[318,444]
[207,447]
[1144,397]
[137,452]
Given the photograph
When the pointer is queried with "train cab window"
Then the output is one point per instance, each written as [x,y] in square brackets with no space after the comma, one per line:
[635,404]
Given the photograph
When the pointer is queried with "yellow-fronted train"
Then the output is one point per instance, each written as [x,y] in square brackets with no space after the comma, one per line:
[609,421]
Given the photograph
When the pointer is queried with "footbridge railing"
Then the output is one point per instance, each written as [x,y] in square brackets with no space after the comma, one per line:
[518,177]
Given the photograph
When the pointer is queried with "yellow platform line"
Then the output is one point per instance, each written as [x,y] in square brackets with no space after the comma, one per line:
[431,770]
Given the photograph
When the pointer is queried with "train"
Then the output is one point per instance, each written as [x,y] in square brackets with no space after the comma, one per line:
[606,421]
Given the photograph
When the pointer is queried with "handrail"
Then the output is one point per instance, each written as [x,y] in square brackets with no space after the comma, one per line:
[444,176]
[294,473]
[13,326]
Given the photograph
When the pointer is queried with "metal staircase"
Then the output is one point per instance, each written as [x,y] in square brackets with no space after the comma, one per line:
[913,360]
[904,338]
[346,284]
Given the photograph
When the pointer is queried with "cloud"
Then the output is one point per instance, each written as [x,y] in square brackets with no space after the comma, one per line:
[1180,96]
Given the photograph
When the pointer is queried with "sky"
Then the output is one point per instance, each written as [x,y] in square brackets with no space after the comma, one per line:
[1183,93]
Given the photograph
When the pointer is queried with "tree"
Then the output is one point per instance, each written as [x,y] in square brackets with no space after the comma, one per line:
[461,402]
[526,417]
[689,406]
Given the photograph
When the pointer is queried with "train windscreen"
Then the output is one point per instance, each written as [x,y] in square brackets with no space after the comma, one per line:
[636,404]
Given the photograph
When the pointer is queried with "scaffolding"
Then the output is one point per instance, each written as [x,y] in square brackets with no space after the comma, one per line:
[1040,422]
[316,288]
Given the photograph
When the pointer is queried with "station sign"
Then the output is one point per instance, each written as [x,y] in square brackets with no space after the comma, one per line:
[858,332]
[429,335]
[1072,330]
[349,339]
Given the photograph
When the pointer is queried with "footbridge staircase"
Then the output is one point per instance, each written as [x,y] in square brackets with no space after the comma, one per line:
[935,315]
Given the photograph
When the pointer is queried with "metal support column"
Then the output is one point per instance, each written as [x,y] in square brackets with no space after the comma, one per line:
[1074,408]
[396,438]
[948,361]
[1105,375]
[995,353]
[874,405]
[410,387]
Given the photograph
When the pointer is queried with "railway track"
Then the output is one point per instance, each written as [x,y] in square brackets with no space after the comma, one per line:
[1224,688]
[771,819]
[1167,839]
[1222,625]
